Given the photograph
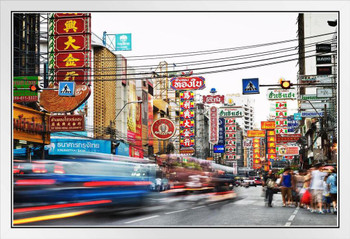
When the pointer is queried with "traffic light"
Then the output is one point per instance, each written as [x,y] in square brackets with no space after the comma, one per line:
[34,88]
[285,84]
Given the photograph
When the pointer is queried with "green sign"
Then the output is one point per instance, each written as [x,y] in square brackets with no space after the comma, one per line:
[21,92]
[312,97]
[230,112]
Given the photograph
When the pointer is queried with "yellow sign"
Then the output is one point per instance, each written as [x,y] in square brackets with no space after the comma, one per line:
[255,133]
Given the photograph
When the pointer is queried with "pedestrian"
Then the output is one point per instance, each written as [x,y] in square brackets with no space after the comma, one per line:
[299,180]
[326,198]
[286,187]
[316,186]
[269,183]
[332,182]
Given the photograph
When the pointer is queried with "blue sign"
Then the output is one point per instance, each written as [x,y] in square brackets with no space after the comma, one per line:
[123,42]
[66,88]
[122,149]
[311,114]
[219,148]
[221,131]
[297,116]
[250,86]
[64,146]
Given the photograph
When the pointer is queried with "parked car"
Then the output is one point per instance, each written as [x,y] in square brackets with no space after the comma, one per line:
[250,181]
[258,181]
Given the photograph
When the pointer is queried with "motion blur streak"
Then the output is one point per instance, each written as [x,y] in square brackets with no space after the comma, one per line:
[35,182]
[28,209]
[50,217]
[116,183]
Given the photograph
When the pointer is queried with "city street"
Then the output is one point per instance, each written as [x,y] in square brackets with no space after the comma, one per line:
[246,210]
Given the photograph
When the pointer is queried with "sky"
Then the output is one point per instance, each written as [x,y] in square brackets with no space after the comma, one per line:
[164,33]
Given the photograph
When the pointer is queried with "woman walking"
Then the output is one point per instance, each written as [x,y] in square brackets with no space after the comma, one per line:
[286,187]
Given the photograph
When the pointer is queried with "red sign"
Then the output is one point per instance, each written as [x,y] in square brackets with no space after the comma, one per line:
[188,132]
[186,95]
[271,151]
[281,113]
[230,149]
[70,43]
[70,26]
[230,121]
[214,133]
[187,123]
[71,60]
[213,99]
[187,141]
[187,104]
[76,75]
[187,114]
[66,123]
[268,125]
[230,142]
[230,135]
[163,128]
[69,14]
[281,105]
[230,156]
[230,128]
[292,150]
[187,83]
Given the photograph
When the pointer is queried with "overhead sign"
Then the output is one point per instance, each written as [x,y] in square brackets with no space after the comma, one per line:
[306,114]
[286,138]
[66,88]
[324,70]
[21,92]
[250,86]
[305,106]
[255,133]
[65,123]
[323,60]
[163,128]
[281,94]
[123,42]
[268,124]
[187,83]
[230,112]
[213,99]
[219,148]
[323,48]
[313,97]
[322,93]
[317,79]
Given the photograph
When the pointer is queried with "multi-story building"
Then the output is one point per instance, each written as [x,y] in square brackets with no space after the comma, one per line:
[317,33]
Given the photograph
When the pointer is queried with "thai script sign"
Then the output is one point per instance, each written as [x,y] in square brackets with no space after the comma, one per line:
[75,146]
[21,92]
[305,106]
[317,79]
[231,112]
[64,123]
[187,83]
[268,124]
[255,133]
[313,97]
[306,114]
[287,138]
[281,94]
[213,99]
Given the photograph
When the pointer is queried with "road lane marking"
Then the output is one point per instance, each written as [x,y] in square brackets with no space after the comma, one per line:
[291,218]
[175,211]
[288,224]
[141,219]
[197,207]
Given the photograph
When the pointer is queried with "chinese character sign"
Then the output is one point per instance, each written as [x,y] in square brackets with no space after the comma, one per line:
[213,137]
[69,47]
[187,131]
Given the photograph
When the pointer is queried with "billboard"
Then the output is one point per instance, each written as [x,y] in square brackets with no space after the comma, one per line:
[255,133]
[123,42]
[21,92]
[60,146]
[187,83]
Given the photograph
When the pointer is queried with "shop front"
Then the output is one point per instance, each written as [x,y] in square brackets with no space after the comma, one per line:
[30,131]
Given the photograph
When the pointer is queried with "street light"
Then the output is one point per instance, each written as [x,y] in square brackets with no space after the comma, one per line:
[131,102]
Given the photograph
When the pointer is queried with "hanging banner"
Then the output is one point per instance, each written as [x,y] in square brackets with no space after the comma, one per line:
[213,133]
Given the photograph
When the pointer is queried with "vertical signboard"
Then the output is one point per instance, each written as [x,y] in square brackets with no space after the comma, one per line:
[187,131]
[213,134]
[69,47]
[131,118]
[256,153]
[150,119]
[230,138]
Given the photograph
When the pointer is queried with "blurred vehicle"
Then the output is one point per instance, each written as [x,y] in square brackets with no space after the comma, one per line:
[258,181]
[80,182]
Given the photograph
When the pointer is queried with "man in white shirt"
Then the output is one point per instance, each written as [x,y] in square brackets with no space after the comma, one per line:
[316,186]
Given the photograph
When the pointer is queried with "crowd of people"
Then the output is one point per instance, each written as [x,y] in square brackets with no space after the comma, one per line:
[314,189]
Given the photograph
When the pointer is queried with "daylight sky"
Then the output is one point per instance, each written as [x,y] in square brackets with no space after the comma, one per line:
[165,33]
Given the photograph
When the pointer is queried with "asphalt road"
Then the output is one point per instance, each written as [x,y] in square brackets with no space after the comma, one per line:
[246,210]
